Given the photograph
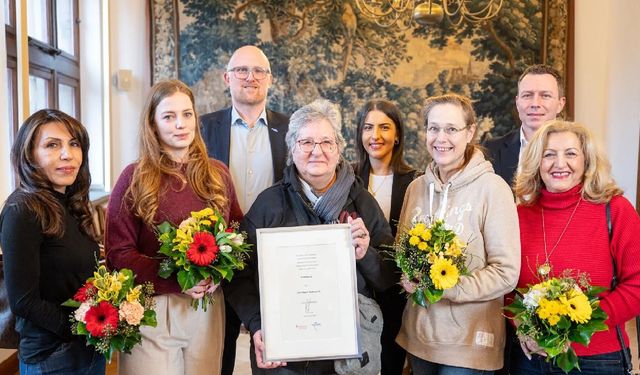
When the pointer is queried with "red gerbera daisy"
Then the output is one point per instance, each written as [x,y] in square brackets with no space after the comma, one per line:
[203,249]
[102,319]
[85,292]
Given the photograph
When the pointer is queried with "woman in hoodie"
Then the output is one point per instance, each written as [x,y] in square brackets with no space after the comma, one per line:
[464,332]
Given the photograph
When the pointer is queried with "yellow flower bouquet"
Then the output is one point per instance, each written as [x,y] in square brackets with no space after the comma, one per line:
[110,309]
[557,312]
[432,257]
[201,247]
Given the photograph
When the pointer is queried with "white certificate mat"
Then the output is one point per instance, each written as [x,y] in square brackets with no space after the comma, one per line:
[308,292]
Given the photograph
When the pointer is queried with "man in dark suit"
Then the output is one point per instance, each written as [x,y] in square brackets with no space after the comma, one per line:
[540,99]
[249,139]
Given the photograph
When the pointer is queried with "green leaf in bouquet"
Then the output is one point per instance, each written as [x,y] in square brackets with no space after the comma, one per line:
[222,271]
[81,329]
[552,343]
[432,296]
[186,279]
[563,323]
[594,291]
[581,335]
[419,299]
[167,267]
[598,314]
[567,361]
[71,303]
[117,342]
[165,227]
[149,319]
[166,249]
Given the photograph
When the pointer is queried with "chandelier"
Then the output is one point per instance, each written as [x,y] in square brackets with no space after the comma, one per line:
[401,13]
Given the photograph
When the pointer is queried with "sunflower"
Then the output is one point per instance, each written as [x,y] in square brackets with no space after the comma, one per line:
[443,274]
[577,305]
[203,249]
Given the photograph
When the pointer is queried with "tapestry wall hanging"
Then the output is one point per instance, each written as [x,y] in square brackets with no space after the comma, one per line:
[327,48]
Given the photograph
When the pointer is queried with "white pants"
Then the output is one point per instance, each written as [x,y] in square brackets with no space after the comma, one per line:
[185,342]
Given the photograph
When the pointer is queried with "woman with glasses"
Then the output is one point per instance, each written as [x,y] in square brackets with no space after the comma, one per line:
[380,148]
[464,332]
[318,187]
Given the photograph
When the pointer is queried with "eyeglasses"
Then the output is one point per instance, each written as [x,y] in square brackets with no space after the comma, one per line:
[242,72]
[449,130]
[308,145]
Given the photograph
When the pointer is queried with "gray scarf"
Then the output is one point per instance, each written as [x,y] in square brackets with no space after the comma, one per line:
[329,207]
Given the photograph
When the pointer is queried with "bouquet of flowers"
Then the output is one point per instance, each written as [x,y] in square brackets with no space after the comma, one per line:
[201,247]
[432,257]
[557,312]
[110,309]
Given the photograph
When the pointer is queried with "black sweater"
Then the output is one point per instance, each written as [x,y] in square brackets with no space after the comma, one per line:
[41,272]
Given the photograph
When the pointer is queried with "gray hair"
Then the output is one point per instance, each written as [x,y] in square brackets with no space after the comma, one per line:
[319,109]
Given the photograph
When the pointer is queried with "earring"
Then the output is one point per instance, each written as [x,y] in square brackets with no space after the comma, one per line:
[396,142]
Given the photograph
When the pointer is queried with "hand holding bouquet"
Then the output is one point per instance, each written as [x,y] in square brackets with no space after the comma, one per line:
[431,257]
[201,248]
[557,312]
[110,311]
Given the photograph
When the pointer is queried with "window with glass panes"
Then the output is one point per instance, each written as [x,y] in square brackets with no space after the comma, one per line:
[54,63]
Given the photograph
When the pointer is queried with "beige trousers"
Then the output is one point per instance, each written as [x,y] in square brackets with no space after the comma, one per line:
[185,342]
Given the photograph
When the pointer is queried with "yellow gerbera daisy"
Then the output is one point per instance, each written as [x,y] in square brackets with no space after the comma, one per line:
[577,306]
[443,274]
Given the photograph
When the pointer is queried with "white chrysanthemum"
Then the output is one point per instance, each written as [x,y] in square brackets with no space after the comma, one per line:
[532,298]
[80,313]
[237,240]
[225,248]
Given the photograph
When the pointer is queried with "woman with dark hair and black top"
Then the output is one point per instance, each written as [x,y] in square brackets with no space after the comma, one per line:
[49,243]
[381,165]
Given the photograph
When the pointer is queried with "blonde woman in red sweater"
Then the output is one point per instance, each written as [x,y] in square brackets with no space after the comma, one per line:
[563,187]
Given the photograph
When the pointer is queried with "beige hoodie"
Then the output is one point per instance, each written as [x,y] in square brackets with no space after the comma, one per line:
[466,327]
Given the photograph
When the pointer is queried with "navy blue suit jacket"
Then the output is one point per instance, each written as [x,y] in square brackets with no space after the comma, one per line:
[216,131]
[503,152]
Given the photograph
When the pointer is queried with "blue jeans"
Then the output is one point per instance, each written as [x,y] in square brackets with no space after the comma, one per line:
[422,367]
[601,364]
[71,358]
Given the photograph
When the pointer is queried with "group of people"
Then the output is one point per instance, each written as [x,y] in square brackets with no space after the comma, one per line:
[264,169]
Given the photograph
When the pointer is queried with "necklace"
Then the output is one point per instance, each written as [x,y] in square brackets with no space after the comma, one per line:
[374,191]
[545,268]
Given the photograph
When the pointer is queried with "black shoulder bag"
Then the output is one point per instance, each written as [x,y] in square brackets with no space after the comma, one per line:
[625,353]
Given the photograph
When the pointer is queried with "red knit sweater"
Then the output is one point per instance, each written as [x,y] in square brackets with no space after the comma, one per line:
[585,248]
[130,243]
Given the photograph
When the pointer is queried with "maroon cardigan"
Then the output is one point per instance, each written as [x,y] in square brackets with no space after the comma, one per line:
[130,243]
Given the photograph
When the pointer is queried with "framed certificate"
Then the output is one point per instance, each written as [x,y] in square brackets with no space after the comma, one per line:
[308,292]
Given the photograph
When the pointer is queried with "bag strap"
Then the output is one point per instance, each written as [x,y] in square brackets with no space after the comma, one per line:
[614,282]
